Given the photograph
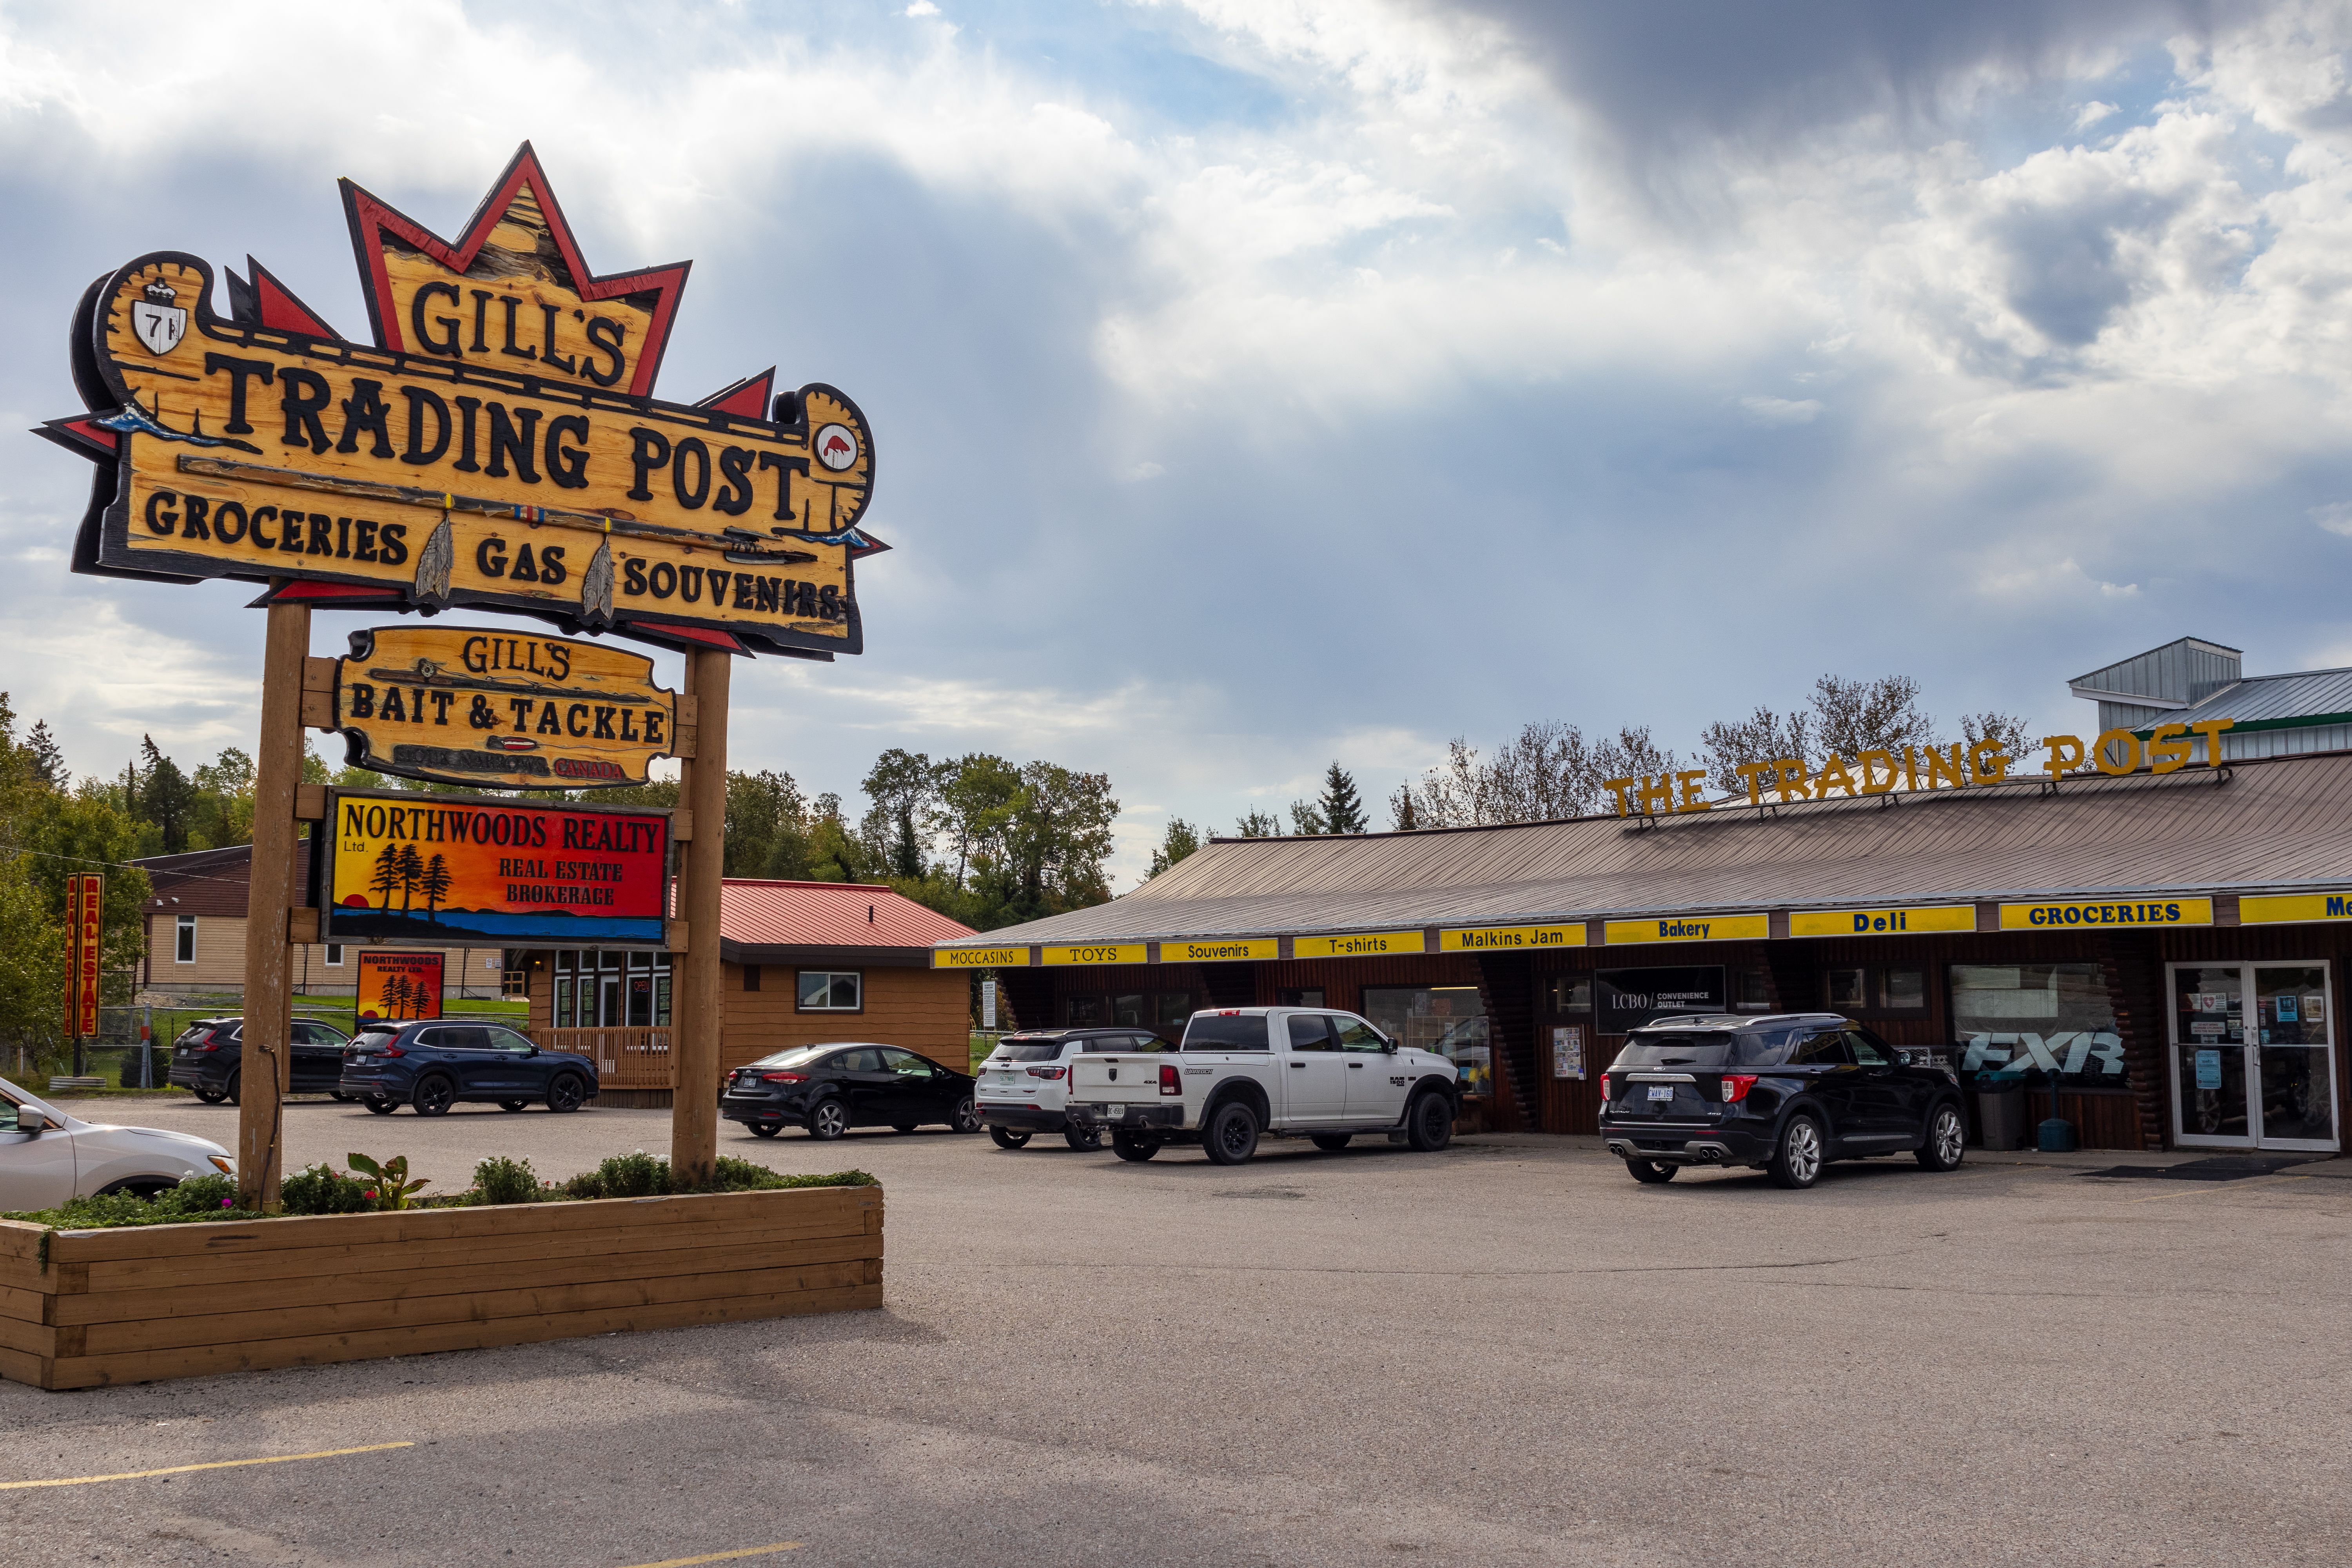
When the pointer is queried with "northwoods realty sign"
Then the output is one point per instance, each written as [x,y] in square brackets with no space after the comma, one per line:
[496,444]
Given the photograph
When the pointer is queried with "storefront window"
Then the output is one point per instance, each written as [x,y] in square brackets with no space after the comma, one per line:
[1569,992]
[1842,989]
[1084,1012]
[1127,1012]
[1450,1020]
[2027,1022]
[605,990]
[1175,1007]
[1903,990]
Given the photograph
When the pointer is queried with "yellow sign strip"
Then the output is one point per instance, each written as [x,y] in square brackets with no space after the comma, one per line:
[980,958]
[1689,928]
[215,1465]
[1359,944]
[1505,939]
[1100,953]
[723,1556]
[1882,922]
[2295,906]
[2072,915]
[1210,950]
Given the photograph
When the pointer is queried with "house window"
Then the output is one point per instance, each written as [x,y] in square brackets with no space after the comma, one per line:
[1844,988]
[832,991]
[608,990]
[334,956]
[184,940]
[751,977]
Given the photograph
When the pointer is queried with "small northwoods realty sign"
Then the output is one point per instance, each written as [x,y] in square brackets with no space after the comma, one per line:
[399,985]
[468,705]
[421,867]
[497,444]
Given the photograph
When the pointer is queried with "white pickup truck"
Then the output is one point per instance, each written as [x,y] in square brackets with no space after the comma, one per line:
[1241,1073]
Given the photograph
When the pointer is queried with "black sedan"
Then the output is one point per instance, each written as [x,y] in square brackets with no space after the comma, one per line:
[831,1088]
[432,1064]
[209,1058]
[1784,1094]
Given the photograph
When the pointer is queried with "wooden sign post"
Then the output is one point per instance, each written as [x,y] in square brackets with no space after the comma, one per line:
[497,446]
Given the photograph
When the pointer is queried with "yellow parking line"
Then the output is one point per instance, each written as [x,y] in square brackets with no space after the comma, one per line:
[721,1556]
[215,1465]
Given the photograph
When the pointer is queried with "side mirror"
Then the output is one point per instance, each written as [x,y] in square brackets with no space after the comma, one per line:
[30,1120]
[1389,1046]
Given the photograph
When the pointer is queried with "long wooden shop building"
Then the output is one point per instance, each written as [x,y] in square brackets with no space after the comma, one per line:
[2160,950]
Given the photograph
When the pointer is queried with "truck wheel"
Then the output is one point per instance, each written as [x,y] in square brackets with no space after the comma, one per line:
[1007,1140]
[1651,1171]
[1429,1125]
[1133,1147]
[1947,1139]
[1332,1142]
[1231,1136]
[1086,1143]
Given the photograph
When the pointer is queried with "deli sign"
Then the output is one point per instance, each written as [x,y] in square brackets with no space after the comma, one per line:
[497,443]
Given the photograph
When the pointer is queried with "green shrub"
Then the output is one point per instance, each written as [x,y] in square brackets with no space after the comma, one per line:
[503,1181]
[198,1198]
[322,1189]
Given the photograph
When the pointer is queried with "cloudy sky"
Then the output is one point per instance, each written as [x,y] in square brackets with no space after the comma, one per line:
[1260,383]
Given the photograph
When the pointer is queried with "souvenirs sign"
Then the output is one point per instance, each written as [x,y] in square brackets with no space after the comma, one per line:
[469,705]
[450,869]
[399,986]
[497,443]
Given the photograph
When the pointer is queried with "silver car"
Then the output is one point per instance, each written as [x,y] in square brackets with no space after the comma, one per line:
[47,1156]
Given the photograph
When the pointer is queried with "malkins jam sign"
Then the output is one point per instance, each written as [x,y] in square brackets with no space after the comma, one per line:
[498,443]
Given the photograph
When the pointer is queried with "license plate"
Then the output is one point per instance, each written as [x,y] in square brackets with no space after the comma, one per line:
[1661,1091]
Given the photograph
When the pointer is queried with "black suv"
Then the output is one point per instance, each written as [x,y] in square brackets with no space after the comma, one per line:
[209,1055]
[1784,1094]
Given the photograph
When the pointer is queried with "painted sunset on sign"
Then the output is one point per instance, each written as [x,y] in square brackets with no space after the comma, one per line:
[420,867]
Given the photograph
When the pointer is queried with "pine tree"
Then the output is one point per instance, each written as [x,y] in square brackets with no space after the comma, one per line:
[48,757]
[385,877]
[1401,808]
[433,883]
[1343,811]
[412,873]
[1180,840]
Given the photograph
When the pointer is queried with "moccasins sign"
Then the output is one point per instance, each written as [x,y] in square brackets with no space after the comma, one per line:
[498,443]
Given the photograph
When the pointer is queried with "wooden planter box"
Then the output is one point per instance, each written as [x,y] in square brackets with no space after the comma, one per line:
[187,1300]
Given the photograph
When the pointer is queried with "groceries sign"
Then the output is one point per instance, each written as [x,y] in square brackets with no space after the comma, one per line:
[497,442]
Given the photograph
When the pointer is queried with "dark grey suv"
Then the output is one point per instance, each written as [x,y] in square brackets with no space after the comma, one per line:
[1785,1094]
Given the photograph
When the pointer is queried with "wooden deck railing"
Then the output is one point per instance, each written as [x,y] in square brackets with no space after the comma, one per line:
[624,1058]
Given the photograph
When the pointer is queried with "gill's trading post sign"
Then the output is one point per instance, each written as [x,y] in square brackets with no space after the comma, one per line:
[473,705]
[450,869]
[497,445]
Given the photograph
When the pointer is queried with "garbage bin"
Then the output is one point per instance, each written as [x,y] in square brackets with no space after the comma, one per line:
[2001,1113]
[2055,1136]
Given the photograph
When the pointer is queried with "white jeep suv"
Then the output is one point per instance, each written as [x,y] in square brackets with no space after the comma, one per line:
[1024,1084]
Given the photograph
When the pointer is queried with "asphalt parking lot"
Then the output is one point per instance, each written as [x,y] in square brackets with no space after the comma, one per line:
[1509,1353]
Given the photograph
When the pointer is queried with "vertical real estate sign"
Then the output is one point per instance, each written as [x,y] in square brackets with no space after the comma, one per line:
[84,893]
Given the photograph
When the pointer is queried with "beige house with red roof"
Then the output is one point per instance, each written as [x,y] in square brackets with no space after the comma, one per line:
[805,964]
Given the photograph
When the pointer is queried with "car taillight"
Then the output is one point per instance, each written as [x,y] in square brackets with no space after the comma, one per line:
[390,1051]
[1736,1086]
[208,1044]
[1604,1086]
[1169,1082]
[784,1077]
[1047,1072]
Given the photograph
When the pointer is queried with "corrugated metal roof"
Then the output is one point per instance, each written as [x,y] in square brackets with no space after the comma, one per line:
[2274,824]
[2306,694]
[757,913]
[2185,669]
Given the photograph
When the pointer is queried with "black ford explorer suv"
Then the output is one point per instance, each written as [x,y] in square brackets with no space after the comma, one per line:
[1785,1094]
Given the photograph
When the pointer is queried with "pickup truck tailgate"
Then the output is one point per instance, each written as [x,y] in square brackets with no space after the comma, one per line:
[1109,1078]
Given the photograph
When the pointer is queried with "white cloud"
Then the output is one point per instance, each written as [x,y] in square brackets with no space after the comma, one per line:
[2092,113]
[1782,410]
[2336,517]
[922,8]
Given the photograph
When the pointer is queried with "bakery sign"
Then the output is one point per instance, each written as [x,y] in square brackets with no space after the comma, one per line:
[484,706]
[496,442]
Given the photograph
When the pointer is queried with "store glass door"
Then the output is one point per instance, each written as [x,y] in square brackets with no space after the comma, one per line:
[2252,1056]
